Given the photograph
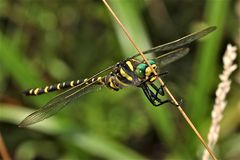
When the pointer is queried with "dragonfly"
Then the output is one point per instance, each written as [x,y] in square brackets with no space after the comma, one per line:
[128,72]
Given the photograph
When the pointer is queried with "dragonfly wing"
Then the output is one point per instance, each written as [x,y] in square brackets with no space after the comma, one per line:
[170,57]
[179,42]
[57,103]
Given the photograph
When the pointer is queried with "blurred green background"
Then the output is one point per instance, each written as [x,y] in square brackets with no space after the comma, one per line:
[45,42]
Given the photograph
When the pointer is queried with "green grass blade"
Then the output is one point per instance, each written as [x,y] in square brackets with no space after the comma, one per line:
[206,60]
[106,148]
[205,73]
[129,13]
[14,114]
[17,65]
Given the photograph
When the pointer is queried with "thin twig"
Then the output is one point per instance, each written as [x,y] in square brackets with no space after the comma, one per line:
[161,82]
[3,150]
[221,93]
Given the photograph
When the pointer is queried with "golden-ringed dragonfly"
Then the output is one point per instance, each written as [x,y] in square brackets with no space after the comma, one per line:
[128,72]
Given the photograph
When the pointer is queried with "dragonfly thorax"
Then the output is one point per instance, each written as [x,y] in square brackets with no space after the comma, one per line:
[130,73]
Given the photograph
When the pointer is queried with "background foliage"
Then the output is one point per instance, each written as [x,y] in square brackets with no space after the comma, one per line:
[44,42]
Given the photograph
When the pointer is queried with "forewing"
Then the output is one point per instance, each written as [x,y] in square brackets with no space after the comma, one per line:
[170,57]
[57,103]
[179,42]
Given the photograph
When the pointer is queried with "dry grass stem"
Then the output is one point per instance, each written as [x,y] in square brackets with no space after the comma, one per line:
[221,93]
[161,81]
[3,150]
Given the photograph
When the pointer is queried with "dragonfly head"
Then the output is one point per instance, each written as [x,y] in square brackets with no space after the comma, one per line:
[143,71]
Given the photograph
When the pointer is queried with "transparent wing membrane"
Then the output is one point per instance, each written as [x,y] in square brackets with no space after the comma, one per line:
[57,103]
[170,57]
[179,42]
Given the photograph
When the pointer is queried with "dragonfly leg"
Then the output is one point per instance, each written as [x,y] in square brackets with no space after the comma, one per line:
[163,73]
[159,90]
[152,97]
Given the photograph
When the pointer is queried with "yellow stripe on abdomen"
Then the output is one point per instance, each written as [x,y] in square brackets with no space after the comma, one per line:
[46,89]
[130,65]
[124,74]
[36,91]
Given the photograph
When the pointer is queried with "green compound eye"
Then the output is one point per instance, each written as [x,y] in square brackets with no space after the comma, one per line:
[140,70]
[151,62]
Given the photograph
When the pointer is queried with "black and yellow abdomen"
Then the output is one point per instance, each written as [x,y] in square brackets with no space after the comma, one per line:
[51,88]
[60,86]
